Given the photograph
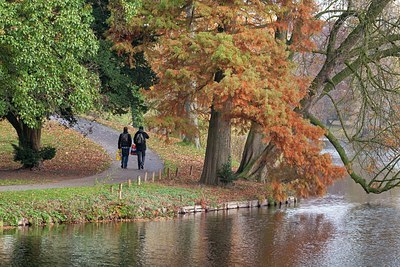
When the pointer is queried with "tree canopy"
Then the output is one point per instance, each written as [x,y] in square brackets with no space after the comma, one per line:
[43,50]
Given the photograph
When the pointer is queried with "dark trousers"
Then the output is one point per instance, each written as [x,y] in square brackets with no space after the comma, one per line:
[141,155]
[125,157]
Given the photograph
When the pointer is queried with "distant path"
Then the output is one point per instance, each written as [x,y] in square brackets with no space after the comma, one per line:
[108,139]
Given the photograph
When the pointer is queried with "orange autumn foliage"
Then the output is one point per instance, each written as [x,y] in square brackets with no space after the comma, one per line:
[196,39]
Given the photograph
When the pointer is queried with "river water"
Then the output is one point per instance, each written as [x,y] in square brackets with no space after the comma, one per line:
[345,228]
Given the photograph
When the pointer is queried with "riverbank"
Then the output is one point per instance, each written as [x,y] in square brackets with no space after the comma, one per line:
[121,202]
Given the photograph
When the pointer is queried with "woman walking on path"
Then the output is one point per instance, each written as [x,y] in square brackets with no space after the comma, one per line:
[140,142]
[124,143]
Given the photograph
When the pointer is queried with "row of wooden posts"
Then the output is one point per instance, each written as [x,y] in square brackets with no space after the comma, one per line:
[153,178]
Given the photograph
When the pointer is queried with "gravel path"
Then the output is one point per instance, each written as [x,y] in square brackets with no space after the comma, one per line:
[108,138]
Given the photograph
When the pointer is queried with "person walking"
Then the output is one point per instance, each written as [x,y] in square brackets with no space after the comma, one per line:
[124,143]
[140,141]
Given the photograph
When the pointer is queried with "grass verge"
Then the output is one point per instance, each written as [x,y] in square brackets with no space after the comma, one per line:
[98,203]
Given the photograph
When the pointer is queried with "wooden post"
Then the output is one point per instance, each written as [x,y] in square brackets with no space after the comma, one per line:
[191,170]
[120,192]
[167,173]
[145,177]
[176,172]
[180,198]
[138,180]
[129,182]
[153,176]
[111,189]
[159,174]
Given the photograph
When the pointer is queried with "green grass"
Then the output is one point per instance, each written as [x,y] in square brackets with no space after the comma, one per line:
[124,119]
[98,203]
[190,149]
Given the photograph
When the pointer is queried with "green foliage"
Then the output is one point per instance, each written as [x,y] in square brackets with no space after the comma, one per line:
[121,80]
[3,108]
[116,86]
[30,158]
[27,156]
[47,153]
[271,200]
[225,174]
[130,9]
[44,48]
[120,85]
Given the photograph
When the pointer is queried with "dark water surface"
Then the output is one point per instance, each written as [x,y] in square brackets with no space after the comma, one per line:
[345,228]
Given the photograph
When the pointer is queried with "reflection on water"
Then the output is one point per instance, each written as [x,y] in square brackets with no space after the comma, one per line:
[345,228]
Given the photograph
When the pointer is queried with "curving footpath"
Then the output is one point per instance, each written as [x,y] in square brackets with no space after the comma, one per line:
[108,139]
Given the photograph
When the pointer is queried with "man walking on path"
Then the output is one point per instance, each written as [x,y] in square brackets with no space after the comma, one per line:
[124,143]
[140,142]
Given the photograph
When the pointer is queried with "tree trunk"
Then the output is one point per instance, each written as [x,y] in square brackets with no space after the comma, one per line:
[190,107]
[257,167]
[193,135]
[218,148]
[261,160]
[253,148]
[268,166]
[33,137]
[27,137]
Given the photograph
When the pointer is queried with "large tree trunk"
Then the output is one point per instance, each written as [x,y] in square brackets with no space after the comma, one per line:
[260,160]
[253,148]
[27,137]
[218,148]
[257,168]
[267,166]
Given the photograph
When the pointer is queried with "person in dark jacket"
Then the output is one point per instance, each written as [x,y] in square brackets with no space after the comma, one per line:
[140,141]
[124,143]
